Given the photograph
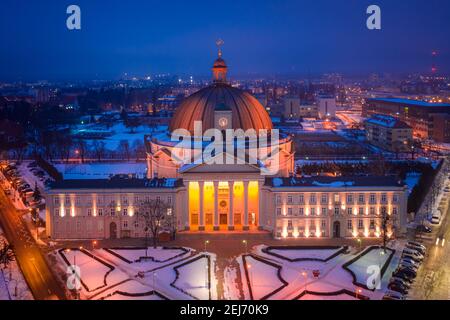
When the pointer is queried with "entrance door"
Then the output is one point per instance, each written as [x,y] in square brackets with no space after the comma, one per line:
[113,230]
[337,229]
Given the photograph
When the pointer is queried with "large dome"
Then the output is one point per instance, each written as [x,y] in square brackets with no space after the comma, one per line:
[246,111]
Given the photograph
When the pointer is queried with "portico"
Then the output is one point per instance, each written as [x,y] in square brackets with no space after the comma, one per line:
[218,204]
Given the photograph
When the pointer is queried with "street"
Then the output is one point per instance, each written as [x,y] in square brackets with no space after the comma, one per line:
[433,278]
[35,269]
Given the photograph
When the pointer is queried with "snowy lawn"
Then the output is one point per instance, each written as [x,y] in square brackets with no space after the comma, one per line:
[95,273]
[304,253]
[195,277]
[371,257]
[158,254]
[261,277]
[342,296]
[130,290]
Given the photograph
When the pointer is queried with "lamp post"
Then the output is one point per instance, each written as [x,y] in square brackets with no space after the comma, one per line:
[244,242]
[358,292]
[305,277]
[94,243]
[206,243]
[359,242]
[249,268]
[154,282]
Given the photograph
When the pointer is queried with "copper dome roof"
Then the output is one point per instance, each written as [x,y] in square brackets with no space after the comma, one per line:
[247,112]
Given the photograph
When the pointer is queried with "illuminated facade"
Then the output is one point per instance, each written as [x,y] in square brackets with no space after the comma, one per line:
[226,196]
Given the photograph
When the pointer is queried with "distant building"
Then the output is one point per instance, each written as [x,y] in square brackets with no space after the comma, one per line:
[327,106]
[428,120]
[293,109]
[388,133]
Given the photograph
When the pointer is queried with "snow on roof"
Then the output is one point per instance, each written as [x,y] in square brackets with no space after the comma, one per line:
[410,102]
[387,122]
[332,182]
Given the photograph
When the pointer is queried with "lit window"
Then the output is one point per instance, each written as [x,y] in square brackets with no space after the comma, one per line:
[349,225]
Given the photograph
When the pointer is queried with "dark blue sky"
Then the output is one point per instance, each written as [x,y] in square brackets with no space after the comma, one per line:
[261,37]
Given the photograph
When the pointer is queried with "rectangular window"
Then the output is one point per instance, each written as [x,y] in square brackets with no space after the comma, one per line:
[67,201]
[313,211]
[67,212]
[337,211]
[372,199]
[372,211]
[372,224]
[349,225]
[395,198]
[336,198]
[361,199]
[136,224]
[113,212]
[361,211]
[360,224]
[394,210]
[324,211]
[312,199]
[278,211]
[56,212]
[89,212]
[349,198]
[169,200]
[100,212]
[324,199]
[290,200]
[290,212]
[383,198]
[349,211]
[301,199]
[125,223]
[324,224]
[56,201]
[290,226]
[125,212]
[278,200]
[301,211]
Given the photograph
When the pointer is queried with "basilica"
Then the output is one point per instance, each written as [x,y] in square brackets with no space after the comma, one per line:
[246,183]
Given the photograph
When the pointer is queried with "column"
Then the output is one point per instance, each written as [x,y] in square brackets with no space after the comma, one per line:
[260,206]
[230,205]
[187,226]
[216,206]
[201,226]
[246,227]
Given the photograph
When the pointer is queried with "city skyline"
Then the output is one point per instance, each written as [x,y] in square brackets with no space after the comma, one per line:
[287,38]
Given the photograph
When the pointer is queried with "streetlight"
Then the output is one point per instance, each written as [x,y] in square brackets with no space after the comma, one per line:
[358,292]
[360,243]
[94,243]
[206,243]
[154,286]
[249,268]
[244,242]
[305,277]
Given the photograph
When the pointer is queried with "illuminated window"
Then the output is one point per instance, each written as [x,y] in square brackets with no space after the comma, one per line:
[360,224]
[336,198]
[349,225]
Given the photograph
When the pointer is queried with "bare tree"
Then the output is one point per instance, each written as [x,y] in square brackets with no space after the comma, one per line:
[124,149]
[6,255]
[99,149]
[82,149]
[157,216]
[139,149]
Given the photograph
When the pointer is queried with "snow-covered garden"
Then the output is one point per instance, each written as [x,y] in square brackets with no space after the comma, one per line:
[281,273]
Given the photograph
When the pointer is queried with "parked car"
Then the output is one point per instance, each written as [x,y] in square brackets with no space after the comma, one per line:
[417,244]
[406,264]
[402,276]
[418,249]
[412,258]
[413,253]
[407,271]
[400,282]
[436,217]
[423,229]
[398,288]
